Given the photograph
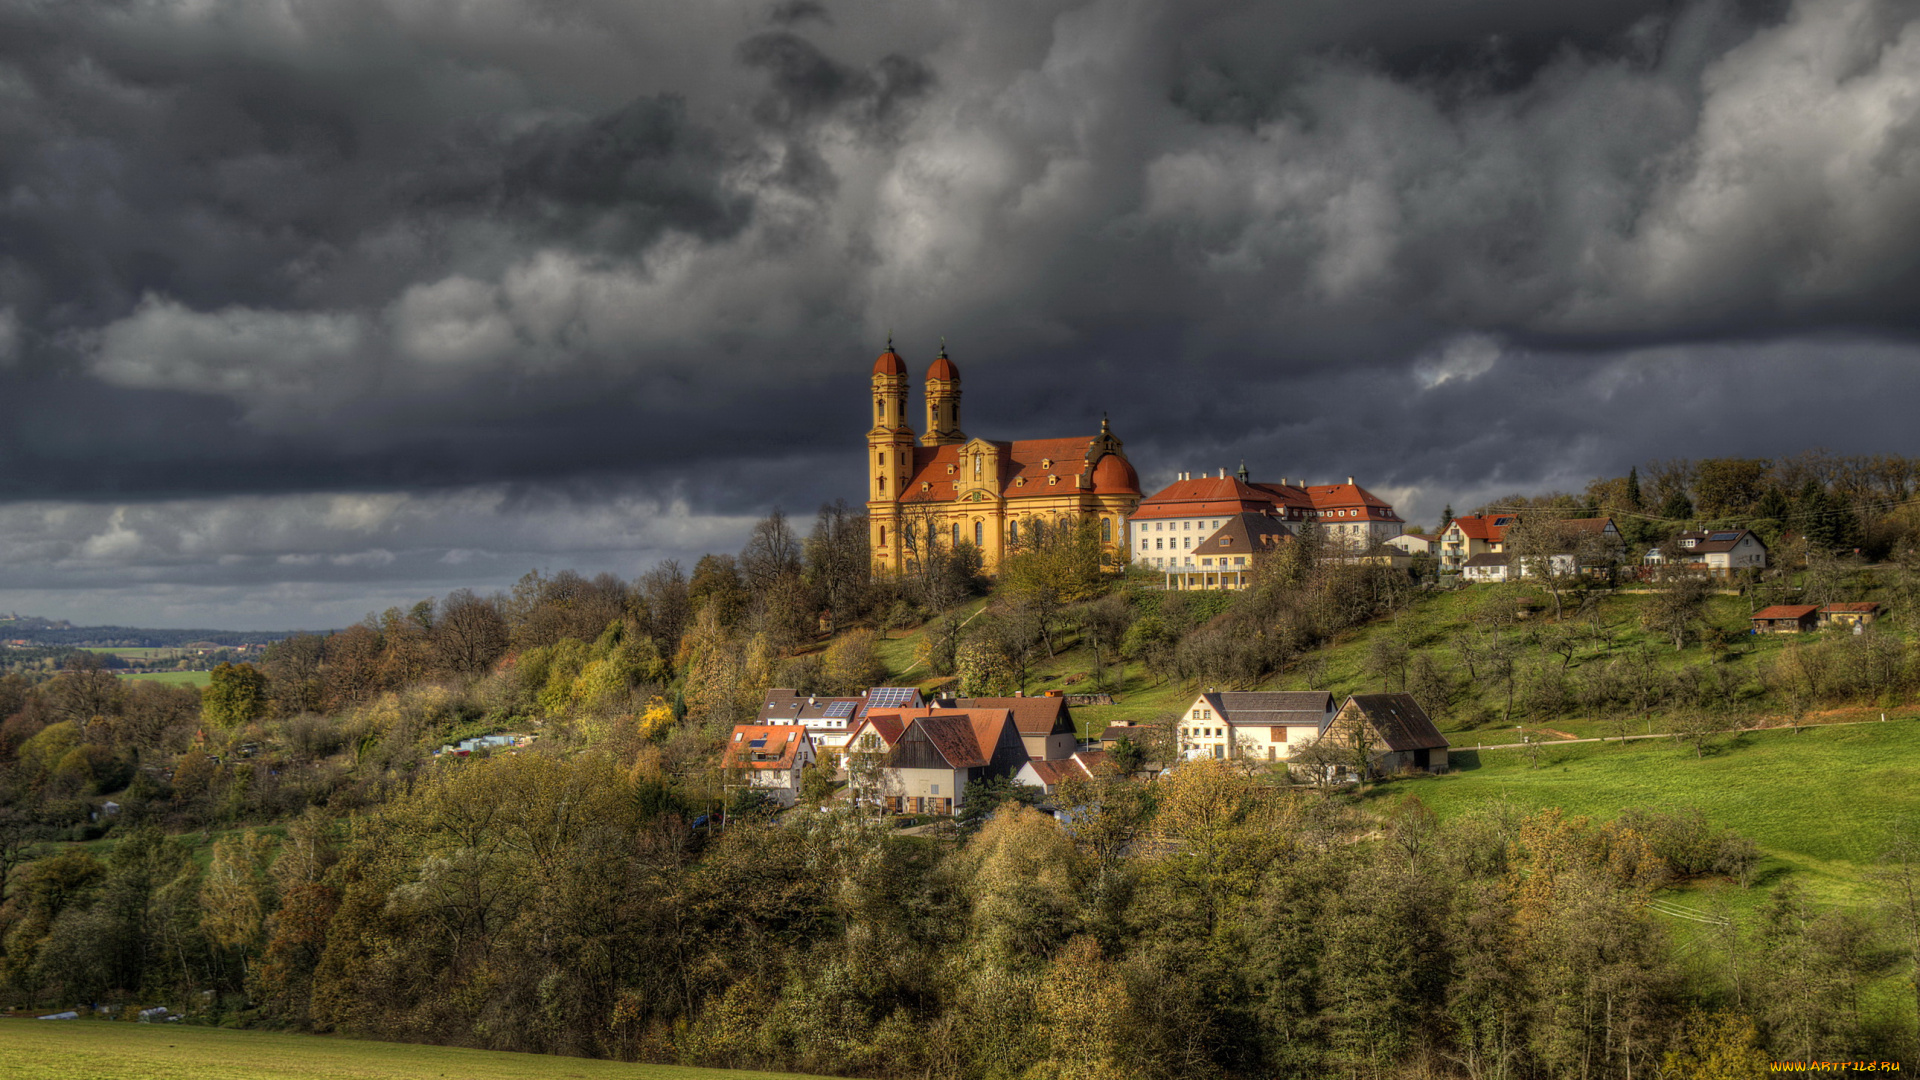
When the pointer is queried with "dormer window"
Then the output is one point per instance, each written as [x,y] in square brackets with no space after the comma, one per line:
[951,469]
[1052,480]
[1046,463]
[926,485]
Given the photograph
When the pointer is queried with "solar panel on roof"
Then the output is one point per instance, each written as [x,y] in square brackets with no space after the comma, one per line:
[890,696]
[839,710]
[1723,536]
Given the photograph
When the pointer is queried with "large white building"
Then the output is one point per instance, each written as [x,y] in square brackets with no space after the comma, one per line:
[1171,529]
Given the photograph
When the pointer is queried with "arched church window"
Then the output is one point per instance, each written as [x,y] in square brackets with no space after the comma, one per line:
[879,409]
[1106,530]
[978,464]
[883,536]
[956,534]
[979,534]
[1013,532]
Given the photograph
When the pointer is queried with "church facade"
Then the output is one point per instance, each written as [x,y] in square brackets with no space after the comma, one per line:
[945,488]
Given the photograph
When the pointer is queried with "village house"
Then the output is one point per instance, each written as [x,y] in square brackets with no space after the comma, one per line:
[937,753]
[1395,730]
[1048,775]
[830,720]
[1486,568]
[1045,724]
[1474,534]
[1266,725]
[768,758]
[1852,616]
[1415,543]
[1786,619]
[1717,553]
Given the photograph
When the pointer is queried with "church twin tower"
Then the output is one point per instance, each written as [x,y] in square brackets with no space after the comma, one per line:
[949,490]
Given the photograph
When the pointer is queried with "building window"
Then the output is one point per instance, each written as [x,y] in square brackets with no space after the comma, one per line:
[883,536]
[978,465]
[1158,543]
[979,534]
[1052,480]
[956,534]
[1106,530]
[1013,532]
[936,789]
[879,411]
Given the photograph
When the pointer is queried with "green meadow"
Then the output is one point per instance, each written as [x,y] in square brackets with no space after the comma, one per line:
[172,678]
[100,1050]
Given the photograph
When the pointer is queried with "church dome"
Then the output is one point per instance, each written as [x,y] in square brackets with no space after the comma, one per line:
[1114,476]
[889,363]
[942,368]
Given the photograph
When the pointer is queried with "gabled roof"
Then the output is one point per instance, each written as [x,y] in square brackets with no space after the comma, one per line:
[782,705]
[964,737]
[1244,534]
[1207,496]
[1491,528]
[1116,732]
[764,746]
[1271,708]
[1487,558]
[1401,722]
[1865,607]
[1031,715]
[887,725]
[1787,611]
[1713,543]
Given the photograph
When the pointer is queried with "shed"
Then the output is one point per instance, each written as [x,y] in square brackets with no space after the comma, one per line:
[1786,619]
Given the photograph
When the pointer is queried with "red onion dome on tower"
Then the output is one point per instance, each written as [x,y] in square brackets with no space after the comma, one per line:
[889,362]
[1115,476]
[942,368]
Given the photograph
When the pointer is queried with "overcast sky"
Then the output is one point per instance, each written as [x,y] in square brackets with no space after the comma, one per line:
[309,307]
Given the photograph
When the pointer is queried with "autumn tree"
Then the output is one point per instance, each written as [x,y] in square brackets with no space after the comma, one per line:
[236,694]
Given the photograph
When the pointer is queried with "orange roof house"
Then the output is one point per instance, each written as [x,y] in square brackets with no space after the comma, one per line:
[768,758]
[1786,618]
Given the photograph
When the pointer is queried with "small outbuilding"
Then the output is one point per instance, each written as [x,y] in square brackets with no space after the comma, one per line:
[1850,616]
[1786,619]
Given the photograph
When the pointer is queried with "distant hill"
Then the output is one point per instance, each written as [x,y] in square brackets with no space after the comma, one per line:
[58,632]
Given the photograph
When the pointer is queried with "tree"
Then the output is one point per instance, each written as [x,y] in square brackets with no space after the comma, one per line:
[236,694]
[839,563]
[669,604]
[1696,728]
[772,553]
[853,663]
[716,587]
[983,798]
[469,633]
[1899,880]
[1677,603]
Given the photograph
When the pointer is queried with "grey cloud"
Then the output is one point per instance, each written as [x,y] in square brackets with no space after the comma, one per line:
[315,250]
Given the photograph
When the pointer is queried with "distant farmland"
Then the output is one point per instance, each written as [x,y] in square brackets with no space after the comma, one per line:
[180,678]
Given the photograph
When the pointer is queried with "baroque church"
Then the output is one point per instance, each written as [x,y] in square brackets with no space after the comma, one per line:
[948,489]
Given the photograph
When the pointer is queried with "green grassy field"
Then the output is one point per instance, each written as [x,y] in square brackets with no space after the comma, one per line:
[131,652]
[1820,803]
[98,1050]
[176,678]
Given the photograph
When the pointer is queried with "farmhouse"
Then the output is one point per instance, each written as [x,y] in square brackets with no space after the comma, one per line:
[1048,775]
[1395,731]
[1045,725]
[936,754]
[1717,553]
[1253,725]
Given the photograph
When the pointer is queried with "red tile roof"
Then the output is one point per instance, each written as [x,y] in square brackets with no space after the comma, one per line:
[1031,715]
[779,744]
[1787,611]
[1223,495]
[1025,468]
[1867,607]
[1491,528]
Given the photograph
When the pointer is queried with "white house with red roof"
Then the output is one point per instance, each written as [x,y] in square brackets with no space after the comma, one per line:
[768,758]
[1171,527]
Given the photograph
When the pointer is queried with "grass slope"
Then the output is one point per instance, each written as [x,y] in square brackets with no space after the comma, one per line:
[1820,804]
[90,1050]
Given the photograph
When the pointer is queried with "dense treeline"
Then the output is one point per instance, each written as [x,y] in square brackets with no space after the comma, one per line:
[1207,925]
[1819,503]
[570,898]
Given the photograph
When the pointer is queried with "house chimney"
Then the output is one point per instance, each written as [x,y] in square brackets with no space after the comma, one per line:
[1349,481]
[1283,482]
[1019,693]
[1223,475]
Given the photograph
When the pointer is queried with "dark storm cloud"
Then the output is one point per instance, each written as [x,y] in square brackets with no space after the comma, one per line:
[279,263]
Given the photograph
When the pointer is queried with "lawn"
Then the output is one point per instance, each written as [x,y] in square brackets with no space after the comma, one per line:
[1820,804]
[174,678]
[98,1050]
